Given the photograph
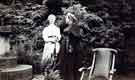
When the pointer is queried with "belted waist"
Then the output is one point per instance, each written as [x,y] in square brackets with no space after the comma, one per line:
[50,42]
[51,36]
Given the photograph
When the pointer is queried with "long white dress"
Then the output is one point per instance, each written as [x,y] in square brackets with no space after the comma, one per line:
[51,36]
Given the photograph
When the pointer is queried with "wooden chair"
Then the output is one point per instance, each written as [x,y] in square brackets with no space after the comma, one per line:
[102,67]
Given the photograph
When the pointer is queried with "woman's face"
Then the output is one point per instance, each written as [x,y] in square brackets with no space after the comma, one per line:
[51,19]
[69,20]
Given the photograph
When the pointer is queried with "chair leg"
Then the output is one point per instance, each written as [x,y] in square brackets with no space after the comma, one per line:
[112,68]
[82,75]
[92,67]
[110,78]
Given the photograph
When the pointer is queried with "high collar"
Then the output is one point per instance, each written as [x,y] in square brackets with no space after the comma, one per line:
[51,25]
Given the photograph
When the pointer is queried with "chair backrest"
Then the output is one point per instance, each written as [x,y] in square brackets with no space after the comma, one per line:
[103,62]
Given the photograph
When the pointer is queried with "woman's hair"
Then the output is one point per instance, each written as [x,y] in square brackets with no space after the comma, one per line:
[71,17]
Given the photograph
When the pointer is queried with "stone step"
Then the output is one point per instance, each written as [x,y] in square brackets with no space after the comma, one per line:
[20,72]
[8,62]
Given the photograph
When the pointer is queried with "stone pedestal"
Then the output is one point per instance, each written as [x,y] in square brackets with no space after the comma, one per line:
[7,62]
[10,70]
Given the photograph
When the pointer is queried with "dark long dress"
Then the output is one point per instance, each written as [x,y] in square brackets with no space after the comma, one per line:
[69,54]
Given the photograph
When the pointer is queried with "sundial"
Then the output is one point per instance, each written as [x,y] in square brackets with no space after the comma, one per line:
[9,69]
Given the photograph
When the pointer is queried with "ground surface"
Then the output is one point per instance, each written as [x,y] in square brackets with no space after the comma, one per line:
[38,77]
[126,76]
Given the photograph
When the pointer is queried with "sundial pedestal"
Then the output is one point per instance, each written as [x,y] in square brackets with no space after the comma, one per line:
[10,70]
[8,62]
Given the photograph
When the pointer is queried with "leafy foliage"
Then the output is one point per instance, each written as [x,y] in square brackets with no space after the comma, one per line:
[96,31]
[24,22]
[101,28]
[53,75]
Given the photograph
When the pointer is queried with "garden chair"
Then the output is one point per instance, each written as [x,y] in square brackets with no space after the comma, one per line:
[102,67]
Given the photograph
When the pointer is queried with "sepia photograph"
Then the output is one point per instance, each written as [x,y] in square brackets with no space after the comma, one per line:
[67,40]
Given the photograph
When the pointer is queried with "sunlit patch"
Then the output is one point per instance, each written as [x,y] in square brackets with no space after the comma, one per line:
[4,46]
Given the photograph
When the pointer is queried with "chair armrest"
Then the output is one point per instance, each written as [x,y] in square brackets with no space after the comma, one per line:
[112,71]
[84,69]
